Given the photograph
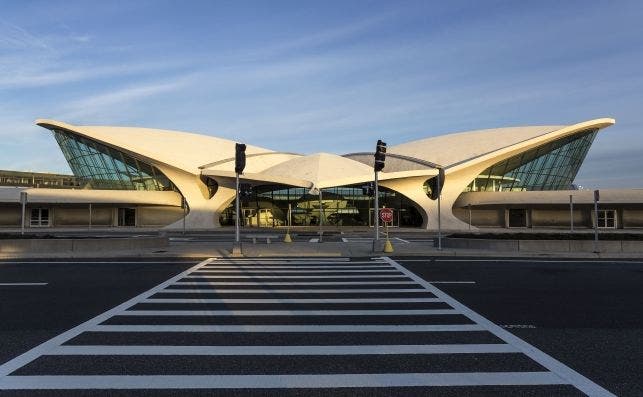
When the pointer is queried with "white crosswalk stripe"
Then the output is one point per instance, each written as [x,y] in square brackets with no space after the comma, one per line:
[384,333]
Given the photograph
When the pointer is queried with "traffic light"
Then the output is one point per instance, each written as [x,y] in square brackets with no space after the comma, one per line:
[435,184]
[240,158]
[380,155]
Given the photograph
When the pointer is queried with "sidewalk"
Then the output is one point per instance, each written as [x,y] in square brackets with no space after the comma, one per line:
[280,249]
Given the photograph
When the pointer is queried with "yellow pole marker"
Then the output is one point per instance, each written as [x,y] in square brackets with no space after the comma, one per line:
[388,247]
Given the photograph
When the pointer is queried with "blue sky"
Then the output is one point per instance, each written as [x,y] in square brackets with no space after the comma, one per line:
[309,76]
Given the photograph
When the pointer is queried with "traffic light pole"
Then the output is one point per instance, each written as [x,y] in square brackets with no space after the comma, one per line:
[439,218]
[376,223]
[237,235]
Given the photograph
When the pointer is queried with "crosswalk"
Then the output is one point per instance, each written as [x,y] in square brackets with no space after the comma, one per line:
[293,323]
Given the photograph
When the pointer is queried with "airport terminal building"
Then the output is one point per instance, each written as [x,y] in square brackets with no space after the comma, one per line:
[138,177]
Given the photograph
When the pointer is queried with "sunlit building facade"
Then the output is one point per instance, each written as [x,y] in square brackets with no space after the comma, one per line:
[504,177]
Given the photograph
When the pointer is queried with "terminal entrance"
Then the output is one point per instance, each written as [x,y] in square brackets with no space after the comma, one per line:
[271,205]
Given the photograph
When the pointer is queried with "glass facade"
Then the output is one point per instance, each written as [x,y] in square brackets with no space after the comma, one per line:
[267,206]
[549,167]
[100,167]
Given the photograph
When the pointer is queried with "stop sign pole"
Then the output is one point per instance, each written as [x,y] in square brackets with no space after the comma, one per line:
[386,214]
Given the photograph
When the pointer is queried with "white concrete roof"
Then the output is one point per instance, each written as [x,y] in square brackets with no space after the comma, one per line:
[183,150]
[450,149]
[215,156]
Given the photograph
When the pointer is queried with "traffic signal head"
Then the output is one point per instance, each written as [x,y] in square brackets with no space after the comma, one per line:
[380,155]
[240,158]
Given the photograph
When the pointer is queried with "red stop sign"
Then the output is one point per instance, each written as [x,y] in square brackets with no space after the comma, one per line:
[386,215]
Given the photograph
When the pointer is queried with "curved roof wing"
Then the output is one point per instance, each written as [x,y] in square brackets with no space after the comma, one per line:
[183,150]
[452,150]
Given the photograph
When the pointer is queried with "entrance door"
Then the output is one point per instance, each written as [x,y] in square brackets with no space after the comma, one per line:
[127,217]
[517,217]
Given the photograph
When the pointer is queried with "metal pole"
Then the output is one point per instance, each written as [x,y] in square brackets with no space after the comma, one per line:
[23,200]
[90,215]
[595,224]
[289,215]
[469,205]
[571,213]
[439,218]
[185,211]
[376,211]
[237,236]
[321,215]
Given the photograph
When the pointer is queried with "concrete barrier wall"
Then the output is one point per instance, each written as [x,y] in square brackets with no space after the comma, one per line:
[543,245]
[97,245]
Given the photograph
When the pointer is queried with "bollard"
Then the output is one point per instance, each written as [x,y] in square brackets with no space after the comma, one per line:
[388,247]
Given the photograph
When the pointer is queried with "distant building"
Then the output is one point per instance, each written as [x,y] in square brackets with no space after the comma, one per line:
[505,177]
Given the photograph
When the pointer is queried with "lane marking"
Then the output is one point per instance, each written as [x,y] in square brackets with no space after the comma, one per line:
[257,313]
[293,283]
[341,276]
[589,261]
[313,240]
[367,269]
[86,262]
[21,284]
[452,282]
[402,240]
[341,350]
[43,348]
[289,328]
[286,259]
[276,381]
[290,291]
[295,300]
[306,265]
[564,372]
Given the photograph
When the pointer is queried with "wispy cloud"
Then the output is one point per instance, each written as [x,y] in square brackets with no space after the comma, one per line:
[119,100]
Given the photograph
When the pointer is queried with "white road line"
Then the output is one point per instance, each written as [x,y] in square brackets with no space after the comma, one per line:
[297,264]
[572,377]
[402,240]
[292,268]
[383,269]
[339,350]
[589,260]
[344,240]
[451,282]
[409,312]
[52,343]
[313,240]
[86,262]
[293,283]
[342,276]
[289,328]
[284,259]
[295,300]
[21,284]
[276,381]
[290,291]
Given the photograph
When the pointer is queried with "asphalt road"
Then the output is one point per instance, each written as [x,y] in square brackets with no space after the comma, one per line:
[586,314]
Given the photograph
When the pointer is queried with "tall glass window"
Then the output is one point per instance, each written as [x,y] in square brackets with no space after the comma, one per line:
[267,206]
[549,167]
[101,167]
